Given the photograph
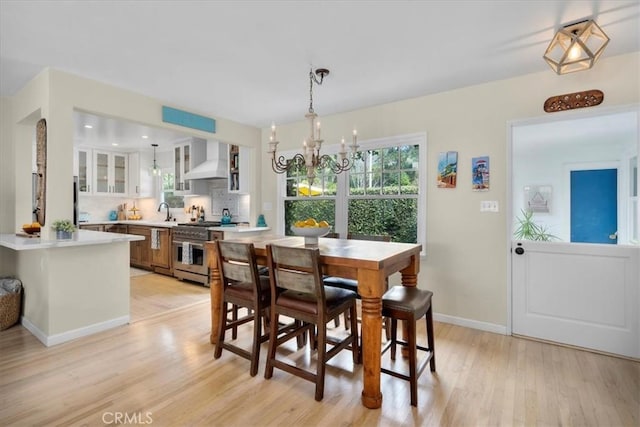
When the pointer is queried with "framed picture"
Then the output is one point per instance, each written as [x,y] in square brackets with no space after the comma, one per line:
[538,198]
[480,173]
[447,169]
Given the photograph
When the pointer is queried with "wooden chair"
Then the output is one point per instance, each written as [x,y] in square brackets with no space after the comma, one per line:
[409,304]
[297,291]
[242,287]
[352,285]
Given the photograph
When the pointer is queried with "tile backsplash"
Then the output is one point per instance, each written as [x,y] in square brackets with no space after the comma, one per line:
[98,207]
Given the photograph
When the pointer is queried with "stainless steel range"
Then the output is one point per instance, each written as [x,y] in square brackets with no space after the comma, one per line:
[189,254]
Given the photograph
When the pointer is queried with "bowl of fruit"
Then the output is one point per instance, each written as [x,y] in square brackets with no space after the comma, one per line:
[310,229]
[32,228]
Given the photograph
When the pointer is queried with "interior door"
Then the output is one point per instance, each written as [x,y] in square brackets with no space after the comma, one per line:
[579,294]
[594,206]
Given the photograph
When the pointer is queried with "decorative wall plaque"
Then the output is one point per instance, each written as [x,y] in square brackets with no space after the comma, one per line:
[41,163]
[571,101]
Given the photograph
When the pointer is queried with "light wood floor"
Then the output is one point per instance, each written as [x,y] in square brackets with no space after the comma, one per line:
[161,369]
[153,294]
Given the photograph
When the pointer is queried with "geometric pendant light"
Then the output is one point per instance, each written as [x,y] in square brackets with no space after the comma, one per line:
[576,47]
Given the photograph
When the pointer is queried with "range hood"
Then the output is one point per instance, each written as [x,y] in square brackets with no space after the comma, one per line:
[215,166]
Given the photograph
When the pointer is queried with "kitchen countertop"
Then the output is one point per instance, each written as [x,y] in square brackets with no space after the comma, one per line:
[165,224]
[240,229]
[80,238]
[170,224]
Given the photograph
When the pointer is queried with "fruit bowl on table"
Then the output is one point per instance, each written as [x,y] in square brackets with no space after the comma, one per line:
[310,234]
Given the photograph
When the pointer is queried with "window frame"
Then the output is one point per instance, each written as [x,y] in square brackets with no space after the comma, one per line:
[342,188]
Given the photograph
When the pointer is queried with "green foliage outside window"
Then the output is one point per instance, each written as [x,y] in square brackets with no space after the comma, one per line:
[313,208]
[167,192]
[393,217]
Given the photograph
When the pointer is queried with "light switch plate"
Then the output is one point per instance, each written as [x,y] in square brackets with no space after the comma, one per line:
[489,206]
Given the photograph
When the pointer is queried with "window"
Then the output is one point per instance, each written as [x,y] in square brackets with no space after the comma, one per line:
[167,195]
[381,194]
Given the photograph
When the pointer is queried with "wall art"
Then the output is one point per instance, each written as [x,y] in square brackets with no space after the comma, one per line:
[538,198]
[480,173]
[447,169]
[571,101]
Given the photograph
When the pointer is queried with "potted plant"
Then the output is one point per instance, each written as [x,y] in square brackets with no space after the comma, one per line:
[528,230]
[64,228]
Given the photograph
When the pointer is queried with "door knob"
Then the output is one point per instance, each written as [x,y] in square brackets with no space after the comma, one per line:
[613,236]
[519,251]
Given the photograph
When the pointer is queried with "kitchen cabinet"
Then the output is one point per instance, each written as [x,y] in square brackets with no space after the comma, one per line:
[110,173]
[92,227]
[82,162]
[115,228]
[186,156]
[161,257]
[140,251]
[239,172]
[140,177]
[238,169]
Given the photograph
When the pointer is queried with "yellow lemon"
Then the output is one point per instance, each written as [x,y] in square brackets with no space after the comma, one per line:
[311,222]
[323,224]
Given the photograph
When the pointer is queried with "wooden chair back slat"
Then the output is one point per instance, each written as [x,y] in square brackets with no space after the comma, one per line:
[296,269]
[237,262]
[237,272]
[295,281]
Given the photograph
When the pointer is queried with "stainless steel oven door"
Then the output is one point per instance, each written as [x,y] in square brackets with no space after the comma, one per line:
[198,263]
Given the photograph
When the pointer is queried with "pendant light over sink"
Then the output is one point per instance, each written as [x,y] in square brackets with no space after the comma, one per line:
[155,170]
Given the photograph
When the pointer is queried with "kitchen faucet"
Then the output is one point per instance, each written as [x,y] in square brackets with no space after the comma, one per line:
[168,214]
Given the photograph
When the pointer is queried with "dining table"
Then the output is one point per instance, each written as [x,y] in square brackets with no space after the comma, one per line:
[369,262]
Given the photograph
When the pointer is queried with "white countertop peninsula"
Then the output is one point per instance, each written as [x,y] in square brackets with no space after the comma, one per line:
[72,288]
[80,238]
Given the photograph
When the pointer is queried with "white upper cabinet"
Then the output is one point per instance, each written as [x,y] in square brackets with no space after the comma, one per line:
[186,156]
[140,176]
[82,161]
[110,173]
[101,172]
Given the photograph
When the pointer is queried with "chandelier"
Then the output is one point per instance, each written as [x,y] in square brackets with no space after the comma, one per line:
[310,156]
[576,47]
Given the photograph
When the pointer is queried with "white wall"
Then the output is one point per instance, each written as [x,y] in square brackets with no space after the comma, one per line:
[466,262]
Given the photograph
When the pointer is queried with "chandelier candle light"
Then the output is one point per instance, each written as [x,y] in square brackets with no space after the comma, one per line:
[310,156]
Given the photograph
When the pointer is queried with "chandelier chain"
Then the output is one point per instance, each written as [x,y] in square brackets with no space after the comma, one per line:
[311,91]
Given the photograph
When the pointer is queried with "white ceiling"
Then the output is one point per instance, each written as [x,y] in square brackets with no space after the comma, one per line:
[248,61]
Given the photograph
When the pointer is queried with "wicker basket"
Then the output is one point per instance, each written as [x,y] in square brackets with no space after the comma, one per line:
[9,307]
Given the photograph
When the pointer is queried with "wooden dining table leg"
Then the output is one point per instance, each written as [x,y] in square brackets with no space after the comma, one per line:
[215,289]
[371,343]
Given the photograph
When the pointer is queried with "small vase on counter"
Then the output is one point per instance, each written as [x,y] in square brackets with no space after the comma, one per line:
[63,235]
[64,229]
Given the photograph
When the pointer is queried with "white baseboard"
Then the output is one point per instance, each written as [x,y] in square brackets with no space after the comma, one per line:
[468,323]
[49,340]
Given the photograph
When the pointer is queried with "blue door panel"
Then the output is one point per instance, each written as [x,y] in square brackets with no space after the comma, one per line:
[594,205]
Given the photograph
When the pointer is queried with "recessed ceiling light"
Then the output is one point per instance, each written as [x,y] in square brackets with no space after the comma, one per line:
[144,137]
[88,126]
[115,144]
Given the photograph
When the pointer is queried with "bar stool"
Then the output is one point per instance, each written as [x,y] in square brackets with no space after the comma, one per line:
[409,304]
